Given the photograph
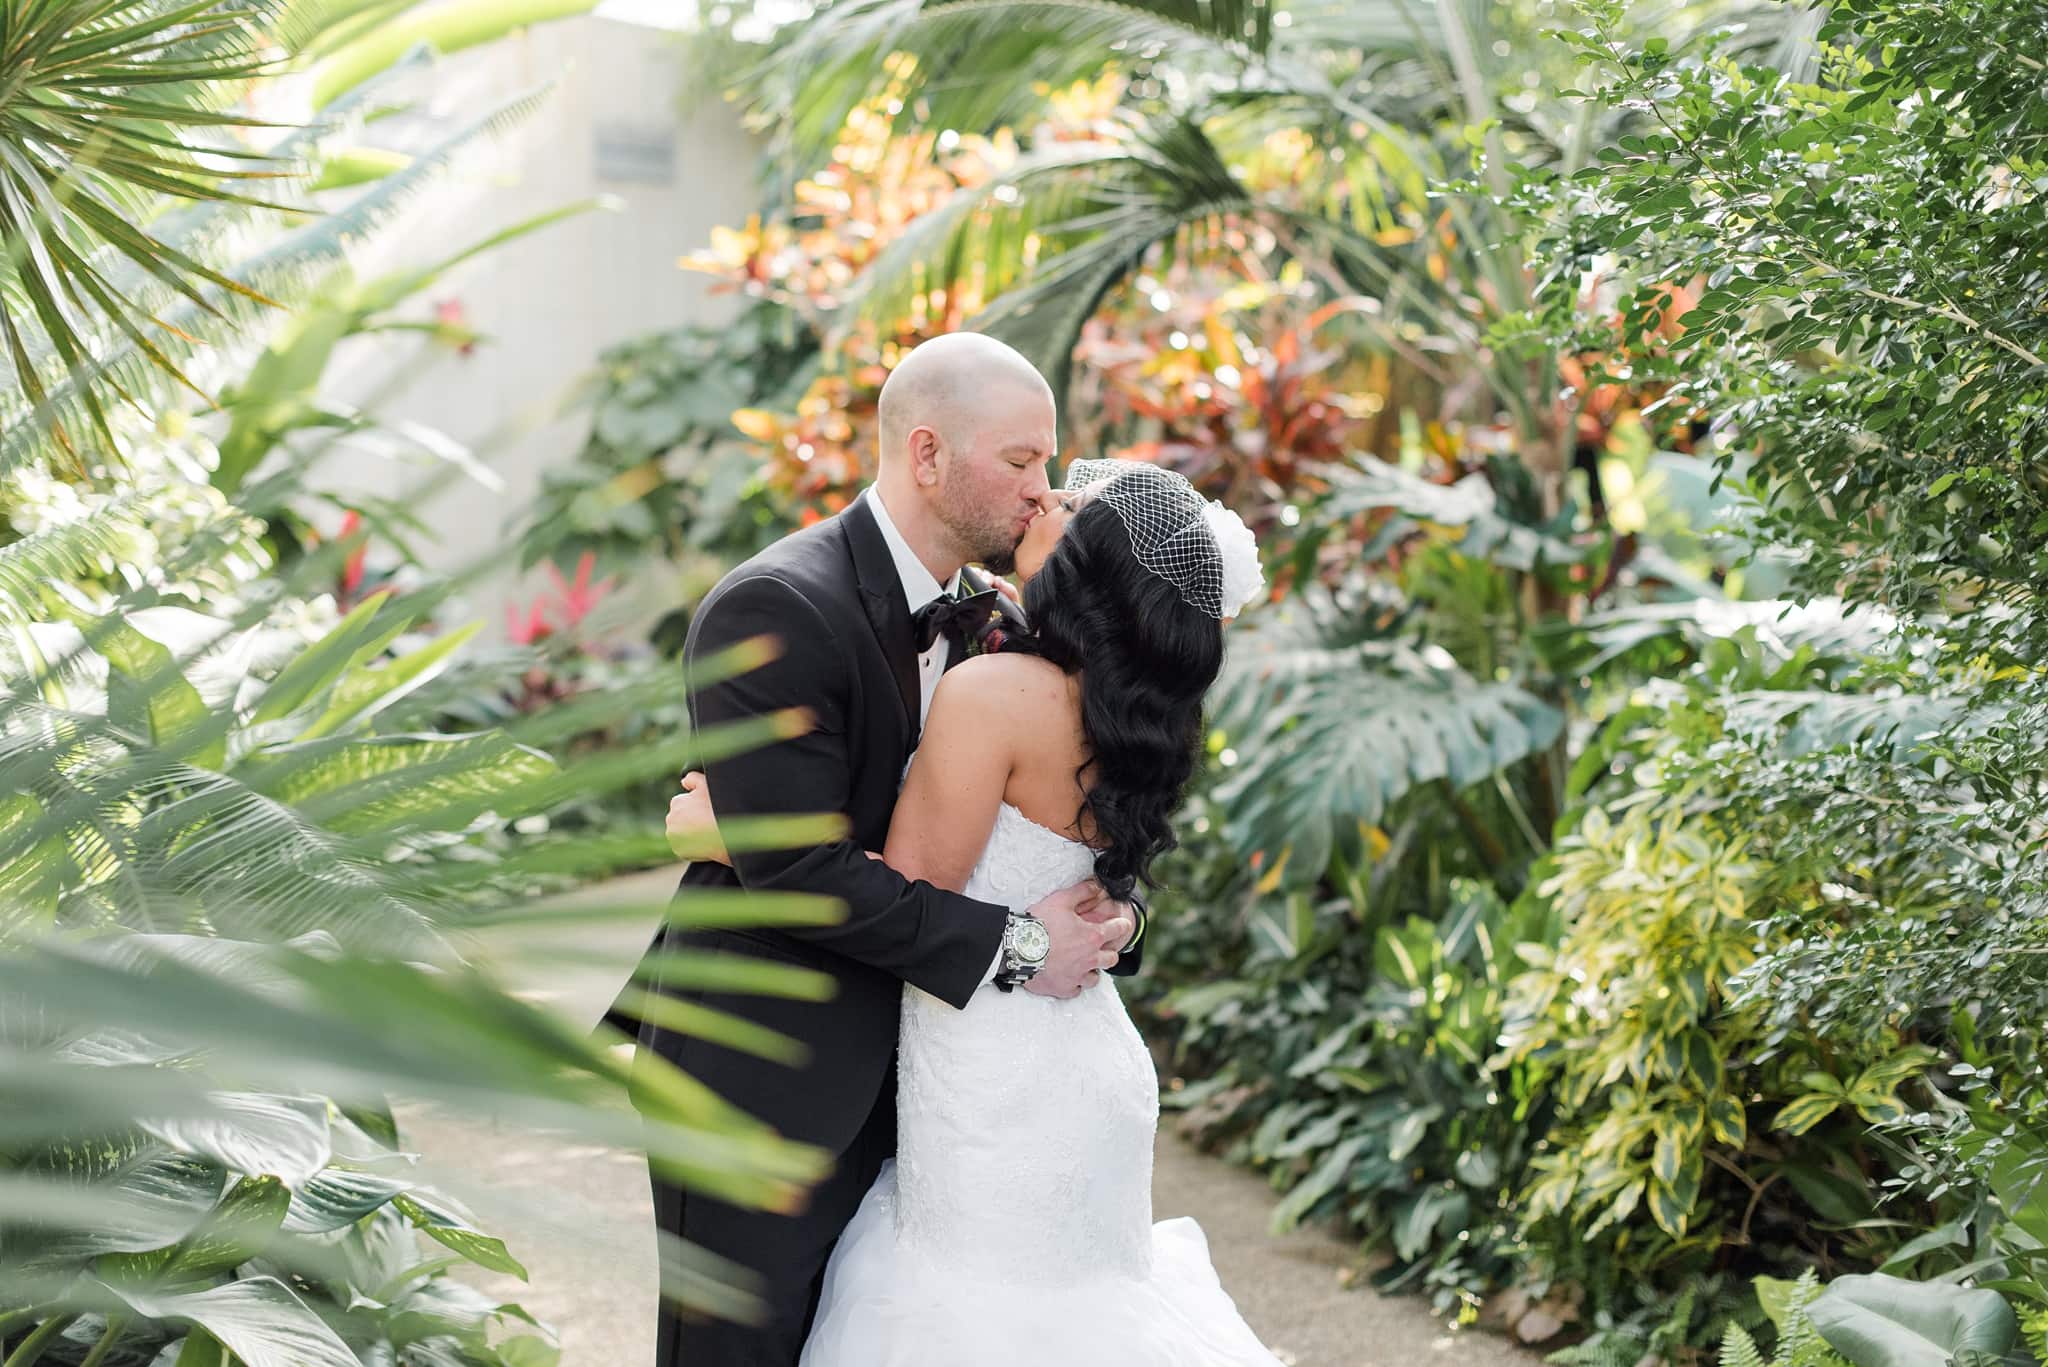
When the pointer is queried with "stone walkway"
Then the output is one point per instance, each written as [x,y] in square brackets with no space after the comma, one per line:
[579,1217]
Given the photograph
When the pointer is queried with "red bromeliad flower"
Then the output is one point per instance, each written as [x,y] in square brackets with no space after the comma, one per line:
[352,568]
[533,625]
[578,598]
[565,607]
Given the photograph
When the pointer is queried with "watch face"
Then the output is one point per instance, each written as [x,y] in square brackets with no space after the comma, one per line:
[1030,941]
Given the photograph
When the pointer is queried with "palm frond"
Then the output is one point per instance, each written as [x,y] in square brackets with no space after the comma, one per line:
[61,552]
[103,109]
[975,65]
[286,268]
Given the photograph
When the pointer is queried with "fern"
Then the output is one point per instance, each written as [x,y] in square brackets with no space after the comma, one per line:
[1799,1343]
[1738,1349]
[61,552]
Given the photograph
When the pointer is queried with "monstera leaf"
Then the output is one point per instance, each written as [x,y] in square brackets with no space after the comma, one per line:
[1321,740]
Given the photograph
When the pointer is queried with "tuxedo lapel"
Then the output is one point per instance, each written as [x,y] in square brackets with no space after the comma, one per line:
[881,595]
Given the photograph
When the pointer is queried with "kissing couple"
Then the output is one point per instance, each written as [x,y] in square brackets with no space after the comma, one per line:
[989,1105]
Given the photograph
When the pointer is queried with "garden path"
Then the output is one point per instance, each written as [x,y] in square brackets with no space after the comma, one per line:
[579,1217]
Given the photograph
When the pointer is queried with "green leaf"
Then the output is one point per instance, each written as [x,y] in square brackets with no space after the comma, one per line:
[238,1229]
[146,679]
[1805,1113]
[258,1319]
[448,1224]
[1670,1212]
[249,1132]
[364,689]
[201,1349]
[1882,1321]
[1432,1209]
[1728,1121]
[355,638]
[1669,1156]
[1409,1132]
[337,1198]
[1320,1182]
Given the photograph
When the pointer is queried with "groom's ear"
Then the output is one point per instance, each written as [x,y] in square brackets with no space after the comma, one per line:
[921,446]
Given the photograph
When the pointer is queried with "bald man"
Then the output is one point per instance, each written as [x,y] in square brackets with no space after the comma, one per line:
[967,430]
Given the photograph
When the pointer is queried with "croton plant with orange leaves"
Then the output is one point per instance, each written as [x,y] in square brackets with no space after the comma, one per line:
[840,220]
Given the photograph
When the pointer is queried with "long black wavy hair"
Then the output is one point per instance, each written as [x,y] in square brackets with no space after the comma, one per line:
[1145,657]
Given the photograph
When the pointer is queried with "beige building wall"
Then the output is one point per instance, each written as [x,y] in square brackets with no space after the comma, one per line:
[614,124]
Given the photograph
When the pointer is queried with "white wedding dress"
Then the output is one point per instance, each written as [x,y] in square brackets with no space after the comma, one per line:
[1014,1228]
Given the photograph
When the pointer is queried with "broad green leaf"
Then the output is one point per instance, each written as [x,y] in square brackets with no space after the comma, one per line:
[1728,1121]
[258,1319]
[255,1133]
[1671,1214]
[1882,1321]
[236,1230]
[1322,1180]
[337,1197]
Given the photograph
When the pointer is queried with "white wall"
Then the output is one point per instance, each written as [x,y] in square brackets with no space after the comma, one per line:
[551,302]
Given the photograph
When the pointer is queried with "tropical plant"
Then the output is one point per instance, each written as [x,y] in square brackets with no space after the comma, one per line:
[1626,1022]
[1859,233]
[140,168]
[1375,1108]
[235,856]
[664,471]
[228,895]
[1317,137]
[1799,1344]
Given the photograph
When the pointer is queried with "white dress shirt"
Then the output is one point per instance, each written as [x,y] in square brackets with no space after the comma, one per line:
[919,588]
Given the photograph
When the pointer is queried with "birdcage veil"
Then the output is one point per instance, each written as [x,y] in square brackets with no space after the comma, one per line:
[1194,543]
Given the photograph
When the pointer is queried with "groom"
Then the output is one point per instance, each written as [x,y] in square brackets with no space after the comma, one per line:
[858,605]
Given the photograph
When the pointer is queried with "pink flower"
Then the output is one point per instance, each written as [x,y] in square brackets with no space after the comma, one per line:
[532,626]
[579,598]
[352,568]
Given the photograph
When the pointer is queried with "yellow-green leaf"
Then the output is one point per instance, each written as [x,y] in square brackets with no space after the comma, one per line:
[1805,1113]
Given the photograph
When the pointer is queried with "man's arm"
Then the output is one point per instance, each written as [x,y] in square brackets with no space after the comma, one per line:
[937,940]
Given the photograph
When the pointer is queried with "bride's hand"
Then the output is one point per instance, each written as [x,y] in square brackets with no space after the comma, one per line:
[692,829]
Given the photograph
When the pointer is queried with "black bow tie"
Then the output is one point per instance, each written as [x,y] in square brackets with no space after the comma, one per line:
[953,617]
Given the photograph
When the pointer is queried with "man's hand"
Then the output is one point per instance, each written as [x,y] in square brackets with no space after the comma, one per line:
[1086,935]
[692,830]
[1105,911]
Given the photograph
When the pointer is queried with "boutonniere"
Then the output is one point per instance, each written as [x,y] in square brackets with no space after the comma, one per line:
[1005,621]
[988,637]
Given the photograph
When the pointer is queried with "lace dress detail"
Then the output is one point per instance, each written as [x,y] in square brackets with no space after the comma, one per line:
[1015,1225]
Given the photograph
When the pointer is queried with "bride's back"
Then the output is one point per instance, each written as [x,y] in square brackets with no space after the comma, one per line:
[1046,783]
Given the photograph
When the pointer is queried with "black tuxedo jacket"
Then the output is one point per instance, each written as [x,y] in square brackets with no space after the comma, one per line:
[831,598]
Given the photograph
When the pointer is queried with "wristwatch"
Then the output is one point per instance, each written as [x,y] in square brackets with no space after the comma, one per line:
[1026,942]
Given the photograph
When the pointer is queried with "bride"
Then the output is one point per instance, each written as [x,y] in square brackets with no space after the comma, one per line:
[1014,1227]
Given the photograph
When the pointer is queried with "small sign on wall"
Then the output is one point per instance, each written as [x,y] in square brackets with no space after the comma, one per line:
[644,154]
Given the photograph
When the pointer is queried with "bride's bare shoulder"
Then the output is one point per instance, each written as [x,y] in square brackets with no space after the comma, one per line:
[1023,691]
